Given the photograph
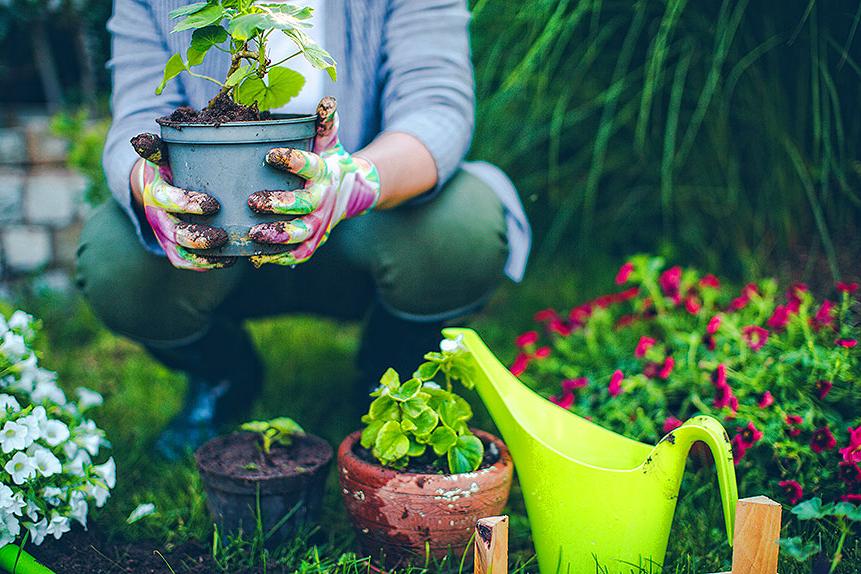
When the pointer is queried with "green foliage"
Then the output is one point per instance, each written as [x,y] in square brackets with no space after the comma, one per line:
[419,419]
[244,27]
[86,138]
[278,431]
[840,517]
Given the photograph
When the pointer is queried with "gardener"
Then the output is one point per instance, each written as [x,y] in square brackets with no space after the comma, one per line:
[427,245]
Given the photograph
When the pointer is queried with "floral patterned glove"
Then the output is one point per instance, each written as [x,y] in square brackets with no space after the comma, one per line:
[161,201]
[339,186]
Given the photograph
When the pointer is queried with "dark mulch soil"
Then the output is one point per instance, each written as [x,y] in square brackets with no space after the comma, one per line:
[220,110]
[239,455]
[429,463]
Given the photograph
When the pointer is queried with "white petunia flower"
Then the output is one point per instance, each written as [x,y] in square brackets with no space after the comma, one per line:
[100,494]
[21,322]
[53,495]
[45,391]
[76,465]
[46,463]
[55,433]
[141,511]
[13,436]
[79,507]
[88,437]
[21,468]
[35,423]
[58,525]
[8,403]
[108,472]
[88,399]
[13,346]
[4,326]
[7,497]
[38,531]
[9,526]
[32,511]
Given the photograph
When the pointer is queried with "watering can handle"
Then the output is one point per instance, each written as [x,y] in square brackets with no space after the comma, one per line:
[711,432]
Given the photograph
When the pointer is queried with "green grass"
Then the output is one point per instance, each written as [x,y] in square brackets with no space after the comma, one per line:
[309,364]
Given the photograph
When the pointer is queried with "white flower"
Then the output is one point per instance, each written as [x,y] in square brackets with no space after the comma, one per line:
[48,391]
[13,346]
[452,345]
[76,465]
[38,531]
[4,326]
[55,433]
[35,422]
[88,399]
[141,511]
[9,403]
[99,494]
[108,472]
[32,510]
[21,468]
[79,507]
[13,436]
[431,385]
[46,463]
[21,321]
[88,437]
[58,525]
[53,495]
[9,528]
[11,502]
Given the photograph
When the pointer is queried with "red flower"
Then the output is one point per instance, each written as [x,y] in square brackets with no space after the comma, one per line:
[750,435]
[755,336]
[542,352]
[824,316]
[853,498]
[671,423]
[560,327]
[766,400]
[738,449]
[667,368]
[624,273]
[580,314]
[742,300]
[615,386]
[846,343]
[545,315]
[571,384]
[844,287]
[710,281]
[792,490]
[670,280]
[625,320]
[779,318]
[719,376]
[518,367]
[692,304]
[793,421]
[714,325]
[822,439]
[643,345]
[565,401]
[852,453]
[526,339]
[724,397]
[823,387]
[849,472]
[710,342]
[651,369]
[627,294]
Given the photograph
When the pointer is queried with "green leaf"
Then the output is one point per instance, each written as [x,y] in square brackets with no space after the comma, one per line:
[172,69]
[798,549]
[286,425]
[390,379]
[442,439]
[238,75]
[454,411]
[414,406]
[408,426]
[316,56]
[202,40]
[425,422]
[384,409]
[811,509]
[211,14]
[245,26]
[186,10]
[416,449]
[466,454]
[255,426]
[391,443]
[427,371]
[407,391]
[369,434]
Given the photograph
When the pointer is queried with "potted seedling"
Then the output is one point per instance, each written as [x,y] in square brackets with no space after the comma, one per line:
[268,478]
[417,477]
[220,150]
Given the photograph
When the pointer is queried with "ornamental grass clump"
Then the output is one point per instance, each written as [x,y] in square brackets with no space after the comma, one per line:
[419,422]
[778,367]
[48,445]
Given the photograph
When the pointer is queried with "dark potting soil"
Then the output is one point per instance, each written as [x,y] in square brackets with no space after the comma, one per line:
[240,455]
[428,463]
[222,109]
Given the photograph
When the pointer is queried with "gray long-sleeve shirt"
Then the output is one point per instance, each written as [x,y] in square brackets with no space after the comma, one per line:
[403,65]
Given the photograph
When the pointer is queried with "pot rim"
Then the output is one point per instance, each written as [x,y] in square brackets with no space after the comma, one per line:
[262,480]
[345,452]
[279,119]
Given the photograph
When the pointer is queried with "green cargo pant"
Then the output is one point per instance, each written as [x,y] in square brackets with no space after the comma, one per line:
[427,262]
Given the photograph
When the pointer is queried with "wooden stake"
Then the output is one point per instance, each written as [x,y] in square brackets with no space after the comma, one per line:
[755,540]
[491,545]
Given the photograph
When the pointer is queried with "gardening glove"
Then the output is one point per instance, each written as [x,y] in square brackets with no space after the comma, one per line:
[161,201]
[339,186]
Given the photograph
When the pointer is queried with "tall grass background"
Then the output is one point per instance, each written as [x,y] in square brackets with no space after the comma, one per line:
[724,132]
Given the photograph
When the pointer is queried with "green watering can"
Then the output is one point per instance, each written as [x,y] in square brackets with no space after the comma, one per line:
[593,496]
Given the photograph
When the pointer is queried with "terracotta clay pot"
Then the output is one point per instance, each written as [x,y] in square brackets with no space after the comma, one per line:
[399,513]
[294,487]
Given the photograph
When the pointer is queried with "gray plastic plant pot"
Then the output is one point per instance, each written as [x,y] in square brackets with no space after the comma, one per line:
[228,162]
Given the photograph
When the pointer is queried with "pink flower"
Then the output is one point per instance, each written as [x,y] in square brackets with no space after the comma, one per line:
[710,342]
[627,294]
[624,273]
[822,439]
[667,368]
[824,316]
[755,336]
[671,423]
[526,339]
[852,453]
[625,320]
[853,498]
[792,489]
[565,401]
[845,287]
[793,296]
[710,281]
[793,422]
[615,386]
[738,449]
[750,435]
[518,367]
[571,384]
[742,300]
[719,376]
[724,398]
[670,280]
[846,343]
[714,325]
[779,318]
[849,472]
[580,314]
[823,387]
[692,304]
[545,315]
[560,327]
[643,345]
[651,369]
[542,353]
[766,400]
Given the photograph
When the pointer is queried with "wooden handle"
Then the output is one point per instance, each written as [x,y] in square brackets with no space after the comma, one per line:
[491,545]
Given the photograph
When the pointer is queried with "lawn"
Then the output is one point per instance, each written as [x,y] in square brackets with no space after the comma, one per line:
[310,369]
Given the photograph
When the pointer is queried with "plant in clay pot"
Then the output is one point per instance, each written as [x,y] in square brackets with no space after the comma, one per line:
[268,478]
[219,150]
[416,478]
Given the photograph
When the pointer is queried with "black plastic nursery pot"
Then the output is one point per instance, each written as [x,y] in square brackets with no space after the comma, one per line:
[227,161]
[239,479]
